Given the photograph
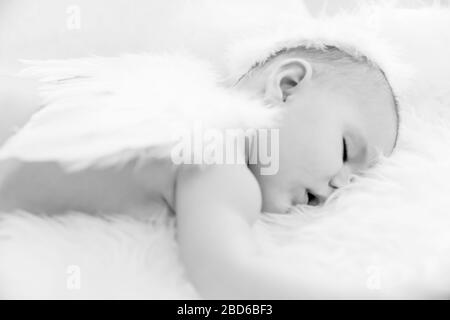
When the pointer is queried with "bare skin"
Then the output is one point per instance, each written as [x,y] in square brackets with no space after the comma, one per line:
[46,187]
[216,207]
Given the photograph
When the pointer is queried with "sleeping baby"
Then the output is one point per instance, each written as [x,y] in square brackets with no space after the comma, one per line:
[335,115]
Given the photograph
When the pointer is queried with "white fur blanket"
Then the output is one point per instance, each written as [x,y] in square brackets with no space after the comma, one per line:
[385,236]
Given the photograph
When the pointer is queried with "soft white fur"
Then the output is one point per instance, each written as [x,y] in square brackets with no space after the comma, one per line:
[385,236]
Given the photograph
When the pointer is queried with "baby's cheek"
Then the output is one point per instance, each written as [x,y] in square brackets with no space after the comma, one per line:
[319,167]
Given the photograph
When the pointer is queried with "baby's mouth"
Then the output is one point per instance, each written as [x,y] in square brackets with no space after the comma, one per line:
[307,199]
[313,200]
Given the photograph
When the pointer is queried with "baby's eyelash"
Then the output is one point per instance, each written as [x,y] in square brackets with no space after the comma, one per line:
[344,150]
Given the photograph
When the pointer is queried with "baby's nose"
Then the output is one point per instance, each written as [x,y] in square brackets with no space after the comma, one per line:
[341,179]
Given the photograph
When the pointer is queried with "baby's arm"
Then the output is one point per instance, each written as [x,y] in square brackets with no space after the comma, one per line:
[216,207]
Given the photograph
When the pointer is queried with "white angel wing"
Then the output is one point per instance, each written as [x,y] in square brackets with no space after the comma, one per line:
[103,110]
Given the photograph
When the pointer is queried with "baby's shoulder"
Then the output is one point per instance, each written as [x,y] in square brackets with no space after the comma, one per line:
[226,184]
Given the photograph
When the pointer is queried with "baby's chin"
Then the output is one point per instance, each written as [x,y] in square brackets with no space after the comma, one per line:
[273,208]
[280,205]
[276,198]
[284,202]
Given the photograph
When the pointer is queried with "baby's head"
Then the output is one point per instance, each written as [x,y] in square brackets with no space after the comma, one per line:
[340,114]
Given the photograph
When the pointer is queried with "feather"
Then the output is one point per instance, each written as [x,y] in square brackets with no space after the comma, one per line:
[102,111]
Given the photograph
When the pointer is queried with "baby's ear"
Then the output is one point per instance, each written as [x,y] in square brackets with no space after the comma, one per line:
[286,75]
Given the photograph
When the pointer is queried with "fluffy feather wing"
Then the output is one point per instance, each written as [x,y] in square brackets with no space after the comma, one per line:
[105,110]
